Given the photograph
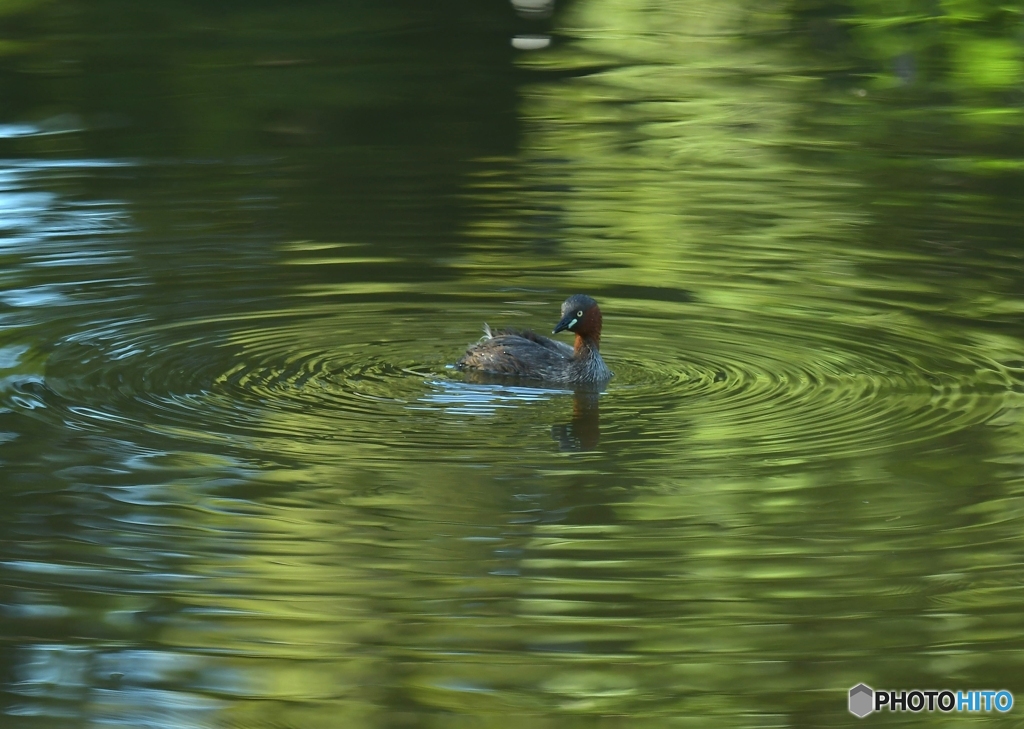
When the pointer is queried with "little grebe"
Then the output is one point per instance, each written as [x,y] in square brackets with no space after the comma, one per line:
[527,354]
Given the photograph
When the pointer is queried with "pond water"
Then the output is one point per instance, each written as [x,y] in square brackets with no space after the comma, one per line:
[242,244]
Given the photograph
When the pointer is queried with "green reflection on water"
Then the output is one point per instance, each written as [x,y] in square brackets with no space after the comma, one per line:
[245,489]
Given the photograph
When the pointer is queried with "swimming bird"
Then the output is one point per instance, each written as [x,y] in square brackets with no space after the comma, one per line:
[531,355]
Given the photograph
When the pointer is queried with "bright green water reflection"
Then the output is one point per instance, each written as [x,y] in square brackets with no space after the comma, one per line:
[240,247]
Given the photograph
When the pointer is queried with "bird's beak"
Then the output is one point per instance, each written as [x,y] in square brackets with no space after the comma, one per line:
[568,322]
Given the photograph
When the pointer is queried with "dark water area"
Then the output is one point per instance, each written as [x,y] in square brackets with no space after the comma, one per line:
[241,245]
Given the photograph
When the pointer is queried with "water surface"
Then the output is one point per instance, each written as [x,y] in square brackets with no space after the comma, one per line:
[240,248]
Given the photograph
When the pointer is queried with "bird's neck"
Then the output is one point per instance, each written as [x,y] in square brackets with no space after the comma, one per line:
[586,345]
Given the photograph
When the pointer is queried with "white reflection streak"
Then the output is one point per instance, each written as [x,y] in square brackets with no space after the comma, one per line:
[470,399]
[534,8]
[531,42]
[120,688]
[48,230]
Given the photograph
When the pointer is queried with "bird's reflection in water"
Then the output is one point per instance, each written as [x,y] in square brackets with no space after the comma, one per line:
[583,432]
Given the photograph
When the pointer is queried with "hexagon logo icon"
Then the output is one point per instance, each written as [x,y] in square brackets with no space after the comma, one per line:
[862,700]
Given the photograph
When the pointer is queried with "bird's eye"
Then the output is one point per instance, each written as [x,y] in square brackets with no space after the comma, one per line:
[579,313]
